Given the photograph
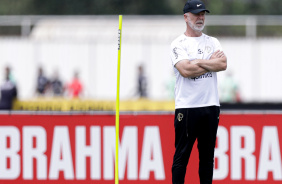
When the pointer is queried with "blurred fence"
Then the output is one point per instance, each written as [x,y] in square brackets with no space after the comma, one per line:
[27,23]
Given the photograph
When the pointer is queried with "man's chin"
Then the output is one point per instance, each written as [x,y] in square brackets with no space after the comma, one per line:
[199,28]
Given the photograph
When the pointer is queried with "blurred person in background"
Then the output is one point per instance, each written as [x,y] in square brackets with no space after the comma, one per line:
[196,59]
[229,90]
[42,83]
[75,87]
[142,83]
[169,86]
[8,91]
[57,85]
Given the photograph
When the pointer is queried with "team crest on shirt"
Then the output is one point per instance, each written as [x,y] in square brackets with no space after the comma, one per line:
[208,49]
[179,116]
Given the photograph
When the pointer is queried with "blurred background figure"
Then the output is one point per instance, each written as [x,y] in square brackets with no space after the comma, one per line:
[75,87]
[169,86]
[57,85]
[142,83]
[42,84]
[8,91]
[229,90]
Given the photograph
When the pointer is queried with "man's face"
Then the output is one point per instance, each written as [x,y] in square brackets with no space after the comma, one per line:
[196,21]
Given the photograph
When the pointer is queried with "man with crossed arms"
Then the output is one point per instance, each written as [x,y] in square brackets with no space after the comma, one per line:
[196,59]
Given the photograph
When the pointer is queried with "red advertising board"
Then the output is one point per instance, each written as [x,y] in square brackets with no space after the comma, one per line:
[81,149]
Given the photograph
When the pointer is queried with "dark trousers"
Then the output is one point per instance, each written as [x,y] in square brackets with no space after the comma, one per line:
[191,124]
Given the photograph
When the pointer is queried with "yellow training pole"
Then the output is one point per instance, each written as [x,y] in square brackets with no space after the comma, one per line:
[117,99]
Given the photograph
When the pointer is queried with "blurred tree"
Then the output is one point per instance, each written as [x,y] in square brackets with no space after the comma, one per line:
[272,7]
[245,7]
[144,7]
[215,7]
[14,7]
[99,7]
[177,6]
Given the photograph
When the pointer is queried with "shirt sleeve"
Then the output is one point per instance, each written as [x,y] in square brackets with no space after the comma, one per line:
[177,53]
[217,45]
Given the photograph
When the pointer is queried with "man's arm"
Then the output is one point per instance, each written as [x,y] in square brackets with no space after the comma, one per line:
[217,62]
[188,69]
[195,68]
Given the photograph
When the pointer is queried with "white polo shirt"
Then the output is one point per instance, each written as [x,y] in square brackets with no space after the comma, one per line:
[199,91]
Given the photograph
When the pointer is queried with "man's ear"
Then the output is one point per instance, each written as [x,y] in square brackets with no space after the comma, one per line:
[185,17]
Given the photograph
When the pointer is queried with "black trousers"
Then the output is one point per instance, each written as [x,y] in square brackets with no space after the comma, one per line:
[191,124]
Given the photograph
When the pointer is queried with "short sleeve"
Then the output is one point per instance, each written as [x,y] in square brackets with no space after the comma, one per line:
[217,45]
[177,53]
